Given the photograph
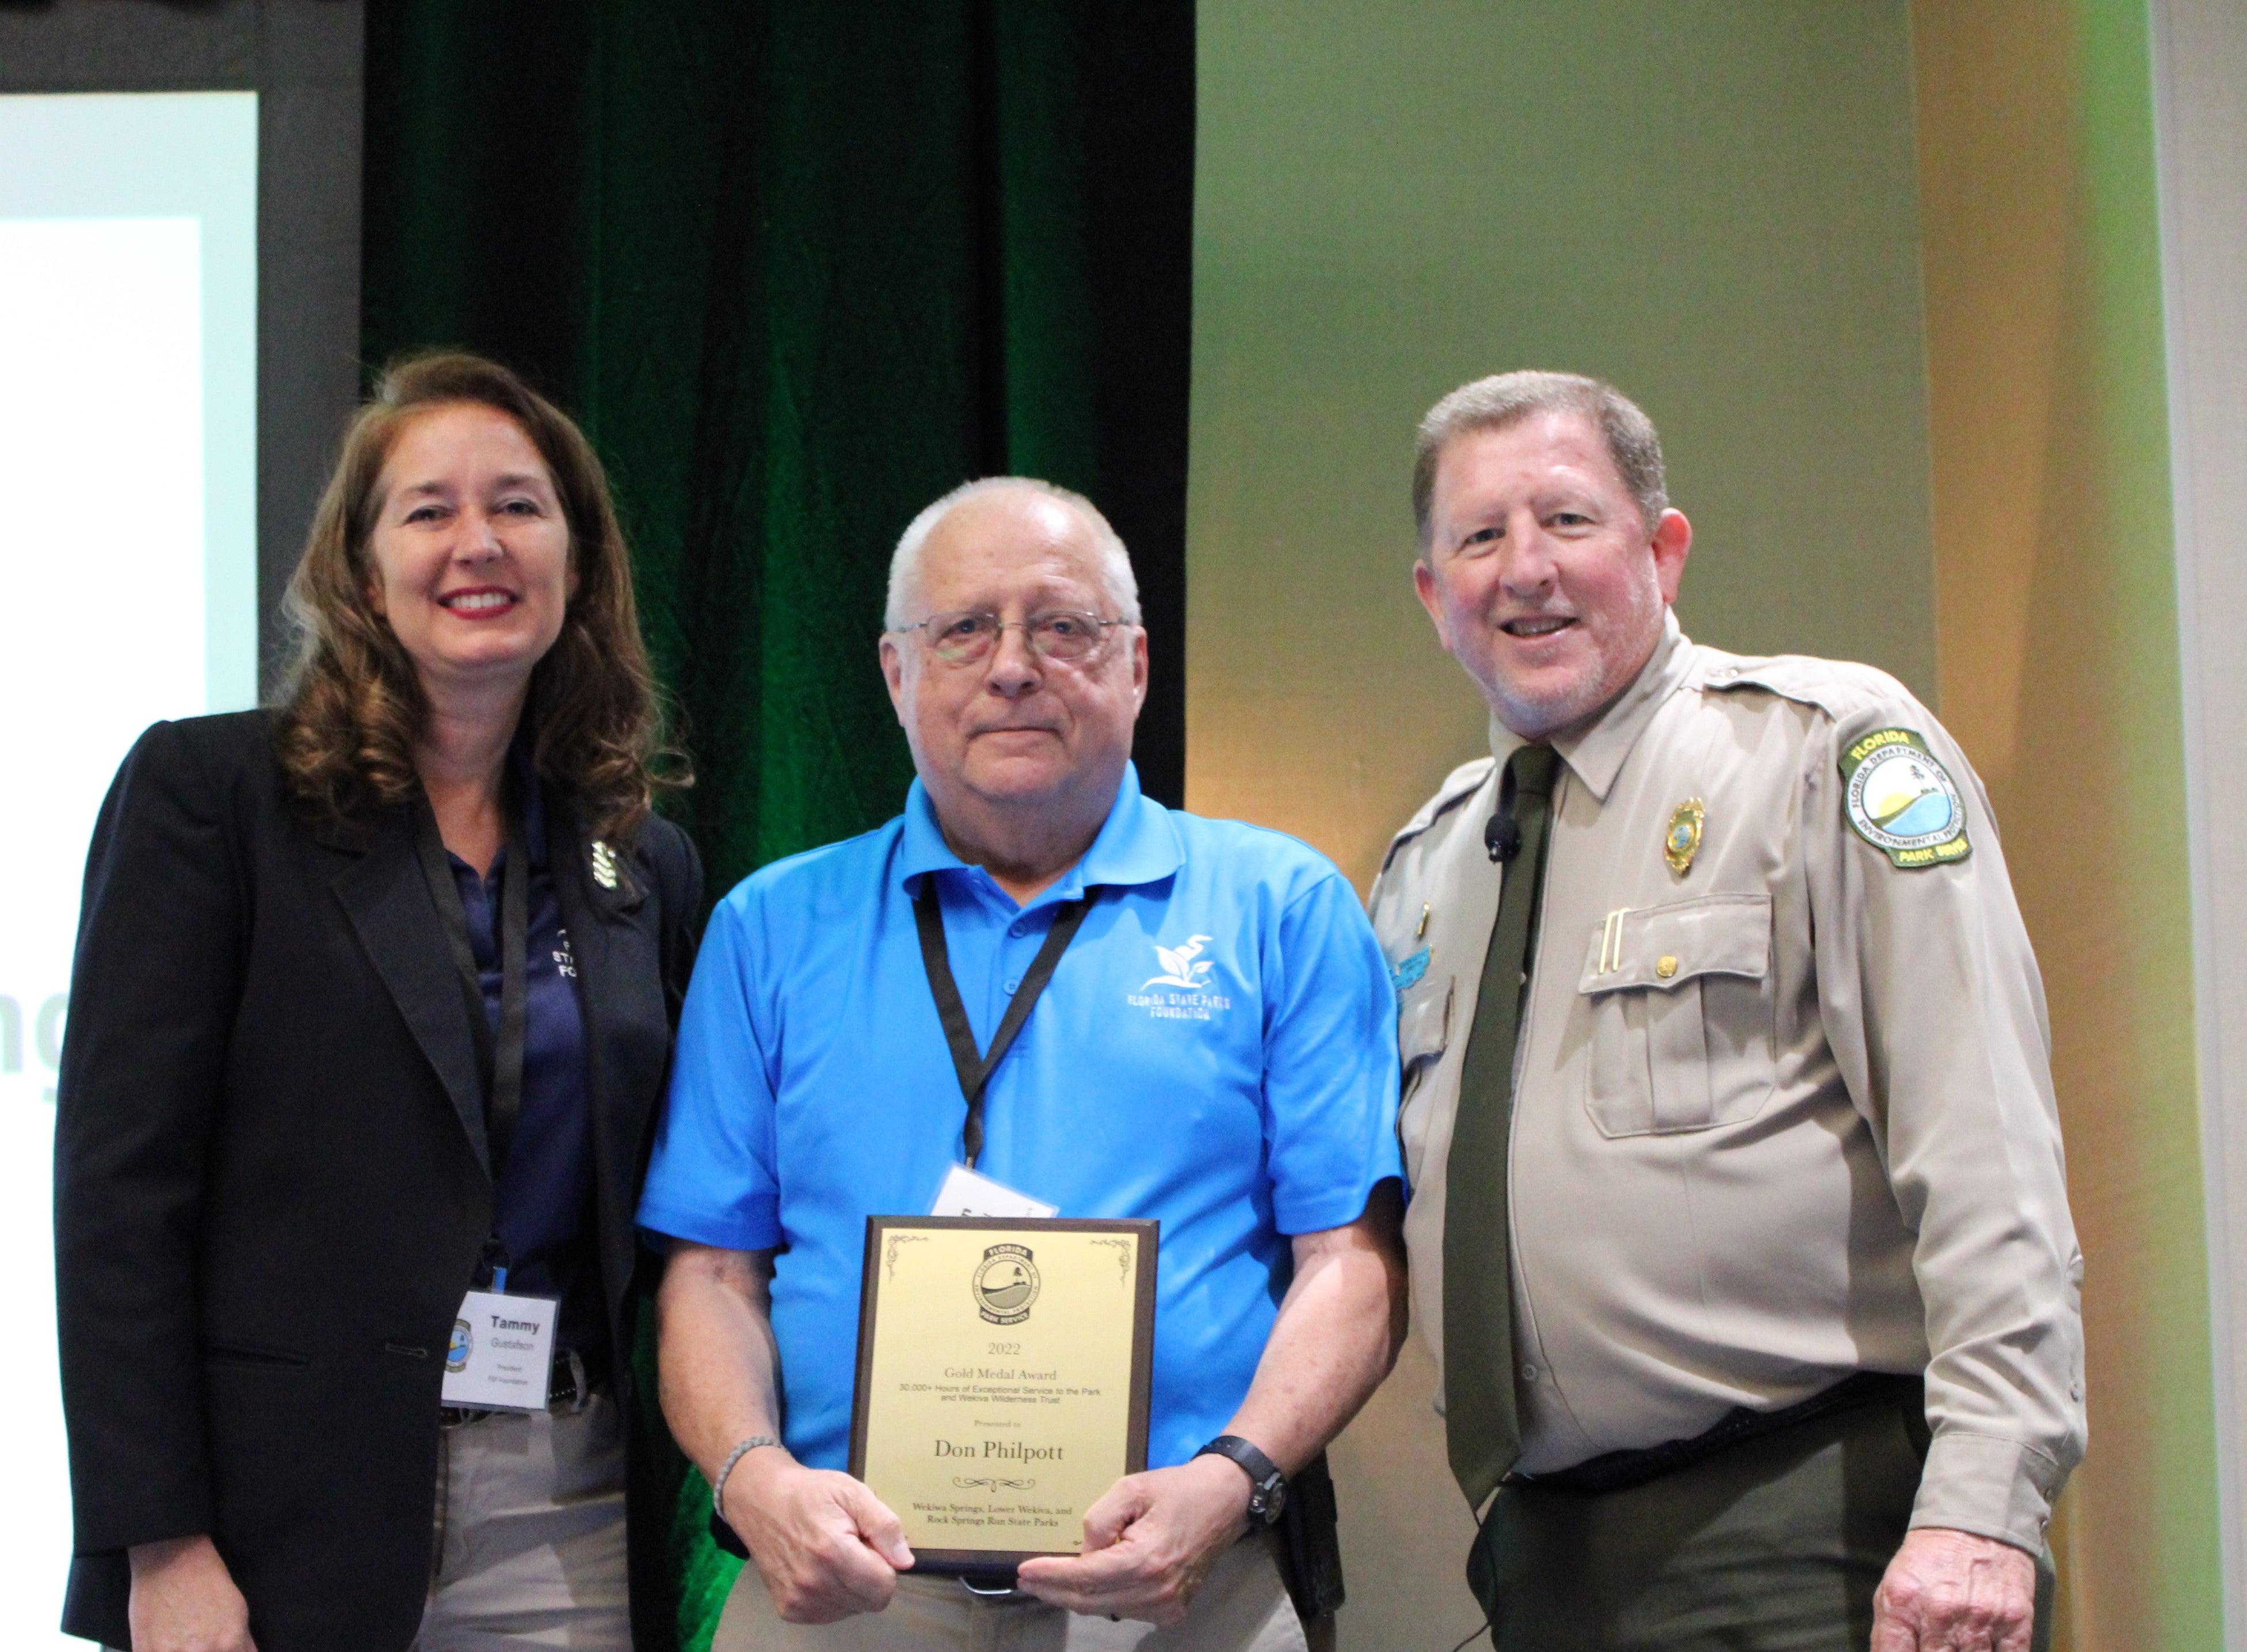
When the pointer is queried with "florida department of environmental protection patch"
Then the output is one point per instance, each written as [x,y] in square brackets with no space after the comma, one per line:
[1902,802]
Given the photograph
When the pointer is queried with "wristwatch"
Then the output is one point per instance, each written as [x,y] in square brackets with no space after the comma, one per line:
[1268,1487]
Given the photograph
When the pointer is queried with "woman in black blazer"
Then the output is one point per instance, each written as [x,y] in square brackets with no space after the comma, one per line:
[292,1069]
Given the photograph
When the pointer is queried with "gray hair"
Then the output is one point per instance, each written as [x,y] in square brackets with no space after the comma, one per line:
[1115,576]
[1506,399]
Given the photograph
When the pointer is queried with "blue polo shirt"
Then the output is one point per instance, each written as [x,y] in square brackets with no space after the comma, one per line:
[1217,1050]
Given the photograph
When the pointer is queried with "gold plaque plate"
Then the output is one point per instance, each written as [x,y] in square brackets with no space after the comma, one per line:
[1003,1375]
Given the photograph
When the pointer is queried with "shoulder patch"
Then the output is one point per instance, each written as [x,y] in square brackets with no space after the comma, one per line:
[1899,798]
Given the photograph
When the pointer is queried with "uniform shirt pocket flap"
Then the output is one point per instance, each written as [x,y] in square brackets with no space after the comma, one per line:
[1423,1020]
[1663,947]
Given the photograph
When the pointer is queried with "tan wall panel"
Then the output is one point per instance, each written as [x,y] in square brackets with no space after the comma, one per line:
[2058,662]
[1718,205]
[1712,205]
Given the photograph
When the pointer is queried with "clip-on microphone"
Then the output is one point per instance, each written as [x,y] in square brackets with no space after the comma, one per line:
[1502,837]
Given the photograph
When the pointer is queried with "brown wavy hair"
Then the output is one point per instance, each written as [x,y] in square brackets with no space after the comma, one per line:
[353,707]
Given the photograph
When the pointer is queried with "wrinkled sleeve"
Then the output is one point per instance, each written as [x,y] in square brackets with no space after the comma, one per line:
[1935,1013]
[1329,1061]
[712,1178]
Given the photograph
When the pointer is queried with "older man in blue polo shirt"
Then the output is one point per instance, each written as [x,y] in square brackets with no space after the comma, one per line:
[1252,1114]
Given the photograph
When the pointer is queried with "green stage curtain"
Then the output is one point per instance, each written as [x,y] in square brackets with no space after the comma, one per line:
[800,266]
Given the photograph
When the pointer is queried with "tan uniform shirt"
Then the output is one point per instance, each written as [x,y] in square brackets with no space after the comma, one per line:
[1782,1115]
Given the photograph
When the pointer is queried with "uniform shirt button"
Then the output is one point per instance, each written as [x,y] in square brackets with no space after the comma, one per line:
[1529,1374]
[1018,930]
[1011,985]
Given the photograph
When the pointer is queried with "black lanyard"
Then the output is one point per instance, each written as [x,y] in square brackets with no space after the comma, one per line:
[499,1066]
[975,1067]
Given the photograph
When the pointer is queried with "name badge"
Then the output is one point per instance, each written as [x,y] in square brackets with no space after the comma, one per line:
[501,1353]
[967,1192]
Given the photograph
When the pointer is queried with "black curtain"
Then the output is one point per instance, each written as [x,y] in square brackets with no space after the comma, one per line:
[799,267]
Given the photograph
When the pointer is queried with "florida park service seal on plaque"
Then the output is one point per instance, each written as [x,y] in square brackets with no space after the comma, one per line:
[1006,1284]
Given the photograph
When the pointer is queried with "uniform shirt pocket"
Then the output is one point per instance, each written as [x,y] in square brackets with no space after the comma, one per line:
[1682,1015]
[1424,1026]
[1423,1032]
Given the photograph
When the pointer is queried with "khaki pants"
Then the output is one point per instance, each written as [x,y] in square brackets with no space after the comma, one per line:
[530,1534]
[1774,1545]
[1242,1606]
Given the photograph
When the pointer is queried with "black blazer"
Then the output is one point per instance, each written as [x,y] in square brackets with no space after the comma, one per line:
[269,1181]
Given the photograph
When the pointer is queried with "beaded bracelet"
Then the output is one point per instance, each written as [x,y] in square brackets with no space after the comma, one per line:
[718,1485]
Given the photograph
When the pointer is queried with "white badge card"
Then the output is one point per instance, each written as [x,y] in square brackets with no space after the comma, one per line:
[501,1353]
[967,1193]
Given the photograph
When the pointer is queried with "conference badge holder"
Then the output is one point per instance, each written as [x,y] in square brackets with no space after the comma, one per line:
[501,1355]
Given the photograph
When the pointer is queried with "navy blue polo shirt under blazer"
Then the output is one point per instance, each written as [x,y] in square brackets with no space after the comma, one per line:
[546,1191]
[1216,1050]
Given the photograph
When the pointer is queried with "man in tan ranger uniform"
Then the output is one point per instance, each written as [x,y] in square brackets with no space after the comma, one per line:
[1739,1217]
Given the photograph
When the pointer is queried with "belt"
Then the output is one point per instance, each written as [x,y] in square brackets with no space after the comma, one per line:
[569,1387]
[1621,1471]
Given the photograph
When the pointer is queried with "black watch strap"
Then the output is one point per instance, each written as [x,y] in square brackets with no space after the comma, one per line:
[1268,1487]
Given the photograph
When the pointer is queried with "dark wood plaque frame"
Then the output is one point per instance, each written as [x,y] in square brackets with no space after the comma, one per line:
[976,1562]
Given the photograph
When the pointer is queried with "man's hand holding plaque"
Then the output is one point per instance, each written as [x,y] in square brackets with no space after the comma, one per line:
[828,1548]
[1148,1544]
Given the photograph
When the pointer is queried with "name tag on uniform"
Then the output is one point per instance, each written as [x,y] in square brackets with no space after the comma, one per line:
[501,1353]
[967,1192]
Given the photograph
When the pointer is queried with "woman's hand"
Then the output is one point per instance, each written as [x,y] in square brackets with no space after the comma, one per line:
[184,1599]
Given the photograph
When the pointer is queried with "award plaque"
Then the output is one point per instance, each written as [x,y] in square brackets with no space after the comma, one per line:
[1003,1370]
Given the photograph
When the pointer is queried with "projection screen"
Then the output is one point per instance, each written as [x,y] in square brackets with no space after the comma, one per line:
[128,592]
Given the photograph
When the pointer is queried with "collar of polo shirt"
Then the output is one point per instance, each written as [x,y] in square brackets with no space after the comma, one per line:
[1136,844]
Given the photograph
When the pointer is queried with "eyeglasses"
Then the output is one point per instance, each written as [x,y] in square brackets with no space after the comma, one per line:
[965,639]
